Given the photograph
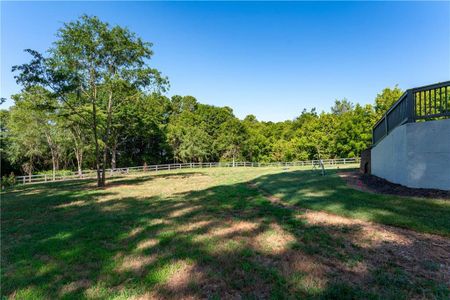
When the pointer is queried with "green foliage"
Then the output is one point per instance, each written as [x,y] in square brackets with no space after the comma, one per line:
[8,181]
[385,99]
[57,173]
[341,106]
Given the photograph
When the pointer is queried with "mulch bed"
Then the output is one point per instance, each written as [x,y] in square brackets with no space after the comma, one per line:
[371,183]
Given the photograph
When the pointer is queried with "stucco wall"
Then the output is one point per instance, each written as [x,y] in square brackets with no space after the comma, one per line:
[415,155]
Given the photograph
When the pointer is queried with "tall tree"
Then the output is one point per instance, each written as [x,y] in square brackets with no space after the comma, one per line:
[231,139]
[90,58]
[30,131]
[341,106]
[386,99]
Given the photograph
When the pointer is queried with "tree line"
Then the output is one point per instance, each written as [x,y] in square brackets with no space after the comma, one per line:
[94,101]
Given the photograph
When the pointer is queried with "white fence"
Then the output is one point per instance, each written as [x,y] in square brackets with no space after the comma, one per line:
[90,174]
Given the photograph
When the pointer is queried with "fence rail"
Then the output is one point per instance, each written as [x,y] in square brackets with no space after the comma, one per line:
[422,103]
[90,174]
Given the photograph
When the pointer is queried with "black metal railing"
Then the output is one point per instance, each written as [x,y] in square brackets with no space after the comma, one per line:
[429,102]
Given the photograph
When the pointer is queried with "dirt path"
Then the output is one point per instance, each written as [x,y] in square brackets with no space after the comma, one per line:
[424,255]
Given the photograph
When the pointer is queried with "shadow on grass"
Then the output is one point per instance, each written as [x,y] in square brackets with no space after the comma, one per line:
[228,241]
[331,194]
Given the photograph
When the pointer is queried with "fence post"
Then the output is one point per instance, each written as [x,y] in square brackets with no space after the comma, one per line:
[45,177]
[386,131]
[410,106]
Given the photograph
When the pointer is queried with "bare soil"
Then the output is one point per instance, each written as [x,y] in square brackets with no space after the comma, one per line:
[374,184]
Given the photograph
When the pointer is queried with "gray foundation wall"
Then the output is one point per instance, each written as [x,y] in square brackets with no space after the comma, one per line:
[415,155]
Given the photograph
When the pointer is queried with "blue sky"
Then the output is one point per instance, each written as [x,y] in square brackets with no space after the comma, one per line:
[267,59]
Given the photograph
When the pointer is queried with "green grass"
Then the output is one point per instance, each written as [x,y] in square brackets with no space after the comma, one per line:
[204,234]
[331,194]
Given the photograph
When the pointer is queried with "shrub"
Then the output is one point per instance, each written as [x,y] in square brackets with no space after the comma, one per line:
[8,181]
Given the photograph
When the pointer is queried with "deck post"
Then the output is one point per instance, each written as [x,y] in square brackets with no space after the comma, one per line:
[410,106]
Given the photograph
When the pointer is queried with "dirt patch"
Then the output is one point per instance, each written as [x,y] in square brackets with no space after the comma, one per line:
[374,184]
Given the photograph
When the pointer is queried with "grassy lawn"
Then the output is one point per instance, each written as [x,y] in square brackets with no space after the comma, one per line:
[331,194]
[212,233]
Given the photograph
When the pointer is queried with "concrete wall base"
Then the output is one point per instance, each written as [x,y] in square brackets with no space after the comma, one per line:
[415,155]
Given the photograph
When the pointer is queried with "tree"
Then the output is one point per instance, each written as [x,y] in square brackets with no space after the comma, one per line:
[140,133]
[27,145]
[90,59]
[341,106]
[194,146]
[231,139]
[6,164]
[353,131]
[257,146]
[386,99]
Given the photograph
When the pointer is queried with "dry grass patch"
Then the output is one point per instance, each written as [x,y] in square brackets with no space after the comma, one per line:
[184,275]
[147,244]
[134,263]
[275,240]
[423,255]
[78,203]
[304,272]
[186,209]
[74,286]
[233,228]
[384,244]
[195,225]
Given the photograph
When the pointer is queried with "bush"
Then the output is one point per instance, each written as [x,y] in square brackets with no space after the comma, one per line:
[8,181]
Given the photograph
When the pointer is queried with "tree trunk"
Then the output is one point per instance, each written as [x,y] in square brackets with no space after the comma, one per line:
[79,158]
[108,131]
[54,167]
[54,155]
[100,182]
[78,149]
[105,152]
[113,155]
